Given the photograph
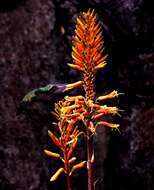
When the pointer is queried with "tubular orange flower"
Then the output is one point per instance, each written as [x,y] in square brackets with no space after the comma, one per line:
[108,110]
[52,154]
[108,124]
[73,85]
[108,96]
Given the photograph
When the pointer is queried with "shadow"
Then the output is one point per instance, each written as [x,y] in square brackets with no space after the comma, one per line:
[10,5]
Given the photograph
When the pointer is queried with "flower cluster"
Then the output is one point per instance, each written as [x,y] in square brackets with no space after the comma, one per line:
[88,56]
[68,138]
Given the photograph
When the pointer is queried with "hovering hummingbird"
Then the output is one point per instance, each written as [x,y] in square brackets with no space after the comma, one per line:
[45,96]
[50,89]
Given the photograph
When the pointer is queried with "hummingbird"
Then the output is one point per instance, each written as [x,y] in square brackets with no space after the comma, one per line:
[41,100]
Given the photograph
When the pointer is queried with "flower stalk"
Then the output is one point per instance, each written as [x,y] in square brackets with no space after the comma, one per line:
[87,54]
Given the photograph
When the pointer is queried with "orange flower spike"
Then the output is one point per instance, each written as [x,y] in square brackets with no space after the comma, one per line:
[87,50]
[67,116]
[87,38]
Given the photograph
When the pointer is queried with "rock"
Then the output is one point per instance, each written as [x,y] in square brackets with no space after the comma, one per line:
[35,45]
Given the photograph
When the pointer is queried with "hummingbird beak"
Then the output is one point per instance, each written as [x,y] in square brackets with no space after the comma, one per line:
[60,87]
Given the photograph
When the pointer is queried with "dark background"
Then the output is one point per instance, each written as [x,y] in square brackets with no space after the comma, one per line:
[35,45]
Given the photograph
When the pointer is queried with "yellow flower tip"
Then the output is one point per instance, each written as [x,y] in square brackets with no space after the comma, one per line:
[75,67]
[114,110]
[115,126]
[100,66]
[73,85]
[56,175]
[115,94]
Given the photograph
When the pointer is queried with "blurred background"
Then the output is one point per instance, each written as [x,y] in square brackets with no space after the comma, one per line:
[35,47]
